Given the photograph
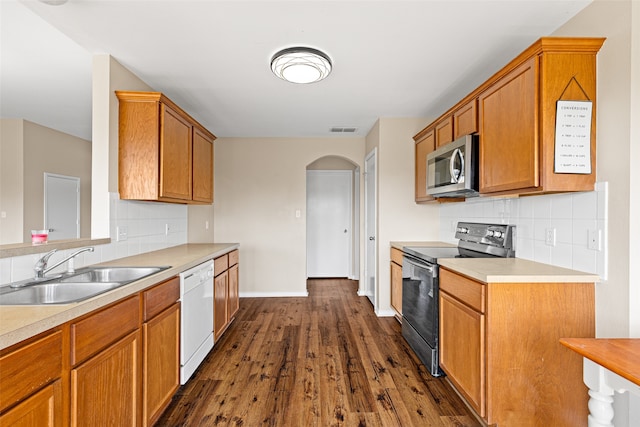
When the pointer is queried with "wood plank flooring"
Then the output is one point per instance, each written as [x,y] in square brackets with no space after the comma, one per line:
[325,360]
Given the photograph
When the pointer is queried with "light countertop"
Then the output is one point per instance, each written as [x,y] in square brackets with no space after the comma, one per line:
[21,322]
[514,270]
[399,245]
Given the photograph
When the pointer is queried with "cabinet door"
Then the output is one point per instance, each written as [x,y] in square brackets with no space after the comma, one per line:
[465,119]
[444,131]
[220,303]
[202,167]
[43,409]
[234,298]
[175,155]
[509,157]
[423,147]
[161,362]
[462,349]
[104,389]
[396,287]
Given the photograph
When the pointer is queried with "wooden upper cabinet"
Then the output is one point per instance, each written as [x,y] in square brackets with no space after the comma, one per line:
[465,119]
[517,114]
[175,155]
[444,131]
[508,132]
[514,113]
[163,153]
[425,144]
[202,166]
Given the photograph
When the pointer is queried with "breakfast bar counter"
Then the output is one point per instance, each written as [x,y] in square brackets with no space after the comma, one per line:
[610,365]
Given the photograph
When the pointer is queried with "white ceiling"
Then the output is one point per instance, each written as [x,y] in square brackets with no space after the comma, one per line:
[391,58]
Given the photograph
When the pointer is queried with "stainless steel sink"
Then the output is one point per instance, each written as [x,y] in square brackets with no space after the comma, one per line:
[55,293]
[111,274]
[63,289]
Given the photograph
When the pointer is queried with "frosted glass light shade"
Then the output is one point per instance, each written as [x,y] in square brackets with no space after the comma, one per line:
[301,65]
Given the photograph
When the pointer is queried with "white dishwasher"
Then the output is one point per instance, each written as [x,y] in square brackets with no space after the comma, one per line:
[196,316]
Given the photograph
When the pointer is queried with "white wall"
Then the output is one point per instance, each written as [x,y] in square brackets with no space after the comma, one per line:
[615,122]
[259,184]
[399,217]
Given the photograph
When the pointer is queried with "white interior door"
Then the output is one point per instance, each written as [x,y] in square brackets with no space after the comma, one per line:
[62,206]
[370,226]
[329,196]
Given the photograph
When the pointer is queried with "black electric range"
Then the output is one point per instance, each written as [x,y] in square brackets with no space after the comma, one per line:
[420,285]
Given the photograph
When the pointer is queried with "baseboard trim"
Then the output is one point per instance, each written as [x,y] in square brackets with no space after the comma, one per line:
[386,313]
[273,294]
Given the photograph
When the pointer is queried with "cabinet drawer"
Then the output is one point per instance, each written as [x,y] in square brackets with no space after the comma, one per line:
[30,367]
[97,331]
[161,296]
[220,264]
[396,256]
[466,290]
[234,257]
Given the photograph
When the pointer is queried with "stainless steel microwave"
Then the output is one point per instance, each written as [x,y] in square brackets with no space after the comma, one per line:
[452,170]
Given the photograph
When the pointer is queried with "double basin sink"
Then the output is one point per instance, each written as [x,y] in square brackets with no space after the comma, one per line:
[64,289]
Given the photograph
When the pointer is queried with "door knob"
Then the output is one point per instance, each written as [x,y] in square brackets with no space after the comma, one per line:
[372,238]
[345,230]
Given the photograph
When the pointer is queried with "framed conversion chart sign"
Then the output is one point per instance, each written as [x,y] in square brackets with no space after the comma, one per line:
[573,137]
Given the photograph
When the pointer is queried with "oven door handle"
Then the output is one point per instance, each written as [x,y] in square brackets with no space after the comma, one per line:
[427,267]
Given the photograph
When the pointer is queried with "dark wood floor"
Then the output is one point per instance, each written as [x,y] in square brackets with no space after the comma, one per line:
[325,360]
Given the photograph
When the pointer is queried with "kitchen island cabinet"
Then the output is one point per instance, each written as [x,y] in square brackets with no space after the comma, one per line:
[504,335]
[163,153]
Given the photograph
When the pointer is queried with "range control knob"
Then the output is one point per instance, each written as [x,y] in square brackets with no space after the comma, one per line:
[463,230]
[498,234]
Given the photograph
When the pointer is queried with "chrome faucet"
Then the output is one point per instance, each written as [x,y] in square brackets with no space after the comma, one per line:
[41,265]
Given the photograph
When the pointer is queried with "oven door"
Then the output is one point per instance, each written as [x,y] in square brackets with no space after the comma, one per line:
[420,298]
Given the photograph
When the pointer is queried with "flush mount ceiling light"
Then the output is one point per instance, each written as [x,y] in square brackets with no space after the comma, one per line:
[301,65]
[54,2]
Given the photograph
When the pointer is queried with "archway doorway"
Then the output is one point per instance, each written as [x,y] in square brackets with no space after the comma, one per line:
[333,211]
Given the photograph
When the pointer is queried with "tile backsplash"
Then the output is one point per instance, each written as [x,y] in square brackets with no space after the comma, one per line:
[579,222]
[148,226]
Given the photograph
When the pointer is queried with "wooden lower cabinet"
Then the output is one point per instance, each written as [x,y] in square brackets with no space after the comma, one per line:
[396,280]
[225,292]
[462,328]
[104,389]
[116,366]
[161,348]
[233,303]
[31,390]
[220,322]
[161,363]
[42,409]
[500,348]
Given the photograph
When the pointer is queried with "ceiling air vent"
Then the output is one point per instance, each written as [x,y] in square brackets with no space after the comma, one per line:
[343,130]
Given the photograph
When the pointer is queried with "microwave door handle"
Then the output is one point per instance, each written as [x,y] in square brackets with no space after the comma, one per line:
[456,178]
